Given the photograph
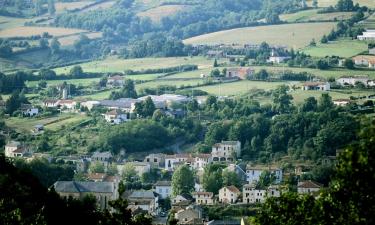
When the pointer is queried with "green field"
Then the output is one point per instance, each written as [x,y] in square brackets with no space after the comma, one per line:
[191,74]
[157,13]
[326,3]
[292,35]
[299,95]
[337,48]
[113,65]
[313,15]
[54,123]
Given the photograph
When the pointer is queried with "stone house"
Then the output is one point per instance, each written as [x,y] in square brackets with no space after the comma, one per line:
[155,160]
[115,117]
[204,198]
[241,73]
[146,200]
[15,149]
[308,187]
[229,194]
[115,81]
[253,173]
[163,188]
[226,151]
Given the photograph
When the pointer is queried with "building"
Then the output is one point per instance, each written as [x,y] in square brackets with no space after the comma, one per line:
[204,198]
[253,173]
[215,54]
[201,161]
[156,160]
[224,222]
[51,103]
[115,81]
[368,35]
[172,161]
[124,104]
[341,102]
[166,100]
[352,80]
[226,151]
[15,149]
[29,110]
[251,194]
[229,194]
[164,189]
[67,104]
[146,200]
[102,191]
[364,60]
[238,170]
[276,58]
[241,73]
[139,167]
[90,104]
[307,187]
[115,117]
[189,215]
[316,86]
[182,198]
[371,51]
[103,157]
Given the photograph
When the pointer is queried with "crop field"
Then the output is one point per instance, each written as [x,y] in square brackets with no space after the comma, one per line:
[292,35]
[321,73]
[29,31]
[326,3]
[69,40]
[116,65]
[11,22]
[312,15]
[337,48]
[64,6]
[155,14]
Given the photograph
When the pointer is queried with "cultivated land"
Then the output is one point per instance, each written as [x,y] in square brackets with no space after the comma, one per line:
[116,65]
[29,31]
[326,3]
[292,35]
[155,14]
[337,48]
[313,15]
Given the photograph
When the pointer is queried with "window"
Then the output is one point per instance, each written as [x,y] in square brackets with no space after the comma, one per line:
[155,160]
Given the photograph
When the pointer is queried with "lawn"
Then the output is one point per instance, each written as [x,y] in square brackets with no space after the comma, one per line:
[54,123]
[291,35]
[29,31]
[239,87]
[155,14]
[337,48]
[312,15]
[326,3]
[113,65]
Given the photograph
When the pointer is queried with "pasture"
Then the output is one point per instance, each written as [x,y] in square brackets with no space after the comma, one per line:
[155,14]
[117,65]
[326,3]
[312,15]
[292,35]
[103,5]
[69,40]
[62,7]
[29,31]
[337,48]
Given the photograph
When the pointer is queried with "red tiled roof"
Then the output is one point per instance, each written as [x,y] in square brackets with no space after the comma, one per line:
[309,184]
[233,189]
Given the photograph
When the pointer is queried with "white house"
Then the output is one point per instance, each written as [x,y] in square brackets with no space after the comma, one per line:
[29,110]
[364,60]
[51,103]
[352,80]
[171,161]
[226,151]
[319,86]
[341,102]
[307,187]
[115,117]
[115,81]
[67,104]
[253,173]
[182,198]
[204,198]
[163,188]
[90,104]
[276,58]
[229,194]
[368,35]
[156,160]
[189,215]
[201,161]
[253,195]
[15,149]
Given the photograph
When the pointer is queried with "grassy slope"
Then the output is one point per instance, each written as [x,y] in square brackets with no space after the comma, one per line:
[326,3]
[155,14]
[312,15]
[292,35]
[337,48]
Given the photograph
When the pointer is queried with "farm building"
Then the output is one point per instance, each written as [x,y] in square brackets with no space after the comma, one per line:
[215,54]
[364,60]
[115,81]
[276,58]
[319,86]
[341,102]
[242,73]
[368,35]
[352,80]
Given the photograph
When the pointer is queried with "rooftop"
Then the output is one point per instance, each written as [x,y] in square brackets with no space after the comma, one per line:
[164,183]
[142,194]
[83,186]
[309,184]
[233,189]
[102,155]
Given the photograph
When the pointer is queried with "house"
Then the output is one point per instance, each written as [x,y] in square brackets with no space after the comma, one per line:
[226,151]
[163,188]
[103,157]
[124,104]
[15,149]
[115,81]
[215,54]
[90,104]
[156,160]
[371,51]
[29,110]
[368,35]
[307,187]
[251,194]
[188,215]
[67,104]
[371,83]
[229,194]
[276,58]
[51,103]
[352,80]
[201,161]
[238,170]
[320,86]
[182,198]
[140,167]
[115,117]
[146,200]
[364,60]
[172,161]
[204,198]
[253,173]
[241,73]
[341,102]
[102,191]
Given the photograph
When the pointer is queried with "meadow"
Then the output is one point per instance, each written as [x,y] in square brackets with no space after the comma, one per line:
[69,40]
[291,35]
[62,7]
[155,14]
[29,31]
[103,5]
[117,65]
[326,3]
[313,15]
[337,48]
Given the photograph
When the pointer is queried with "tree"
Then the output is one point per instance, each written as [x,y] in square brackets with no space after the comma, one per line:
[315,3]
[127,91]
[5,50]
[182,181]
[231,178]
[266,179]
[126,3]
[272,18]
[97,167]
[145,108]
[215,63]
[261,75]
[43,43]
[51,7]
[312,43]
[55,45]
[129,173]
[47,74]
[325,102]
[310,104]
[212,178]
[345,5]
[349,64]
[324,39]
[282,100]
[13,103]
[322,64]
[76,72]
[38,7]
